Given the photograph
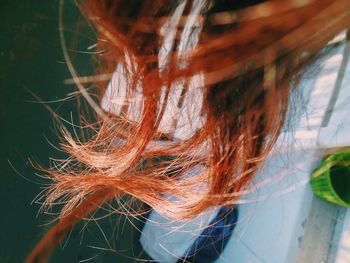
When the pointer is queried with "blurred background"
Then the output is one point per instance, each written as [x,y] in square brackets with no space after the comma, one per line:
[32,74]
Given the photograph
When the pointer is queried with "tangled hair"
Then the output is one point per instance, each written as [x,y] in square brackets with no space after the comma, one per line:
[241,62]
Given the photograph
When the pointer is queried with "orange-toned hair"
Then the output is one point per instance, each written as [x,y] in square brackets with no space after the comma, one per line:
[249,60]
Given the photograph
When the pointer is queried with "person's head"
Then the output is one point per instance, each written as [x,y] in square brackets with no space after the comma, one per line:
[234,62]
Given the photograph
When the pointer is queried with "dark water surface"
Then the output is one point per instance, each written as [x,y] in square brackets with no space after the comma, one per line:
[31,61]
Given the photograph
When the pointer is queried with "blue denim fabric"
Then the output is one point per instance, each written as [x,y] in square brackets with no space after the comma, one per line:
[211,243]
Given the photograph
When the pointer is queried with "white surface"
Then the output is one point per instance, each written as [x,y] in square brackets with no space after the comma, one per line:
[271,228]
[343,255]
[337,132]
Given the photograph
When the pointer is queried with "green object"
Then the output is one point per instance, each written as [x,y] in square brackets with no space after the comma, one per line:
[331,179]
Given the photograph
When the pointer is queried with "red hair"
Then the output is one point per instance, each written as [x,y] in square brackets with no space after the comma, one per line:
[250,60]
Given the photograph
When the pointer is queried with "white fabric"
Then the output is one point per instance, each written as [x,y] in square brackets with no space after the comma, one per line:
[183,121]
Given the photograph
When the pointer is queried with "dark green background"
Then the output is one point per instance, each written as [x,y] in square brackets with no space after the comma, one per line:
[31,61]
